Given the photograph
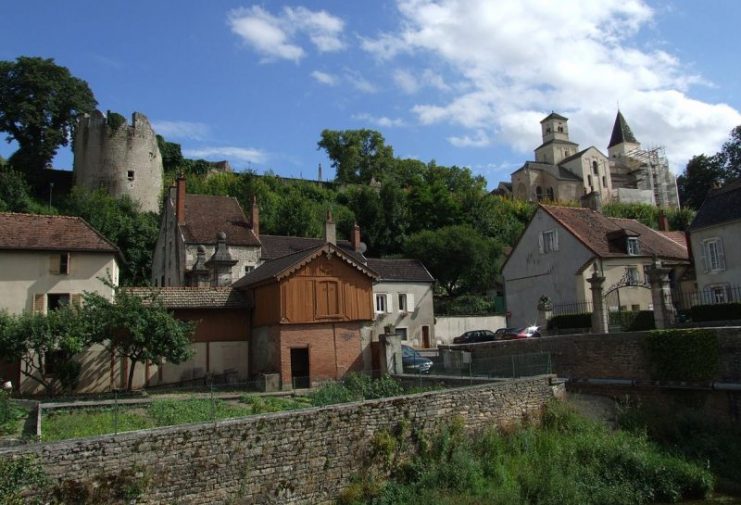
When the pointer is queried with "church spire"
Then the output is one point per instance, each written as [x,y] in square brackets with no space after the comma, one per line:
[621,132]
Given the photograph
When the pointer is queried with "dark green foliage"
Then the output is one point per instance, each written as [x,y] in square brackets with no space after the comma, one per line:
[68,374]
[716,312]
[679,219]
[39,102]
[467,305]
[633,321]
[172,156]
[10,414]
[691,433]
[194,410]
[682,355]
[569,460]
[568,321]
[122,488]
[115,120]
[14,192]
[266,404]
[356,387]
[19,475]
[119,220]
[357,155]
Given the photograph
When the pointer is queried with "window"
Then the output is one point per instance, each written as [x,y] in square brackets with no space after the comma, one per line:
[589,181]
[401,333]
[248,268]
[551,195]
[59,264]
[548,241]
[633,246]
[595,168]
[604,181]
[56,300]
[548,130]
[560,129]
[383,303]
[539,193]
[635,308]
[406,302]
[713,257]
[631,276]
[130,175]
[717,294]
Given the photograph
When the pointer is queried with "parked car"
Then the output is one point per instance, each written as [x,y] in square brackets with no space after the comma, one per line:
[414,362]
[473,336]
[501,333]
[526,332]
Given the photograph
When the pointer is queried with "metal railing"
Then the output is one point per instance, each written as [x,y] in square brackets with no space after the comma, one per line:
[712,296]
[562,309]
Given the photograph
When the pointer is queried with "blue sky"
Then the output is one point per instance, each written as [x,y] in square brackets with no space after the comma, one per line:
[461,82]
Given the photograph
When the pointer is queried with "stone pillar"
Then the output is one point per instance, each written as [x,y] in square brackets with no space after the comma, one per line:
[545,312]
[599,311]
[664,314]
[391,349]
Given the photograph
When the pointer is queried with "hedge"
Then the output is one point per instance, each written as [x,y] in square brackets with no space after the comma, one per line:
[682,355]
[716,312]
[569,321]
[633,321]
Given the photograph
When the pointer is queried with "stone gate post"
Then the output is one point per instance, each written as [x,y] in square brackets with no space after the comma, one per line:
[661,295]
[545,312]
[599,311]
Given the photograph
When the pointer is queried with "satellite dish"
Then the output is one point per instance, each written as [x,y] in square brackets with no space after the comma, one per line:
[363,247]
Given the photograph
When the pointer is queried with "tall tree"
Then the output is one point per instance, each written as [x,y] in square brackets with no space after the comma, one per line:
[357,155]
[39,101]
[730,155]
[701,174]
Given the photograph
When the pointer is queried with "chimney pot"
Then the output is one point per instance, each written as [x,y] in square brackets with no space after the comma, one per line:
[355,238]
[330,230]
[255,217]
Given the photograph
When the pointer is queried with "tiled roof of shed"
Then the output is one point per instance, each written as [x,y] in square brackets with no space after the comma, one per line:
[277,246]
[51,233]
[195,298]
[206,215]
[720,206]
[592,229]
[398,269]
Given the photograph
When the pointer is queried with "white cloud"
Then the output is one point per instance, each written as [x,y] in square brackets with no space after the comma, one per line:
[240,154]
[382,121]
[274,36]
[181,130]
[324,78]
[359,82]
[514,62]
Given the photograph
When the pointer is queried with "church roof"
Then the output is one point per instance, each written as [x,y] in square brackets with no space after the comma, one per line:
[557,171]
[553,115]
[621,132]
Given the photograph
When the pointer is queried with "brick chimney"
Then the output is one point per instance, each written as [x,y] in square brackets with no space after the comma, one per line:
[330,230]
[663,221]
[355,238]
[180,200]
[255,217]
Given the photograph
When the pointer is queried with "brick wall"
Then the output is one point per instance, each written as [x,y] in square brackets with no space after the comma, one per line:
[617,355]
[289,458]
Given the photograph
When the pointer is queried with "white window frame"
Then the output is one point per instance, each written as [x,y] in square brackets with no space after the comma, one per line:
[548,241]
[633,246]
[384,303]
[632,276]
[712,254]
[406,302]
[403,333]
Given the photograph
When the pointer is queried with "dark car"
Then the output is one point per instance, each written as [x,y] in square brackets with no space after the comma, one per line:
[474,336]
[503,333]
[526,332]
[414,362]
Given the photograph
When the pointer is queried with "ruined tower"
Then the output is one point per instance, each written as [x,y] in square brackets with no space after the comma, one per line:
[123,159]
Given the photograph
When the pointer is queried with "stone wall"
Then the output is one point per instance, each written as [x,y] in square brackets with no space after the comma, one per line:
[296,457]
[615,355]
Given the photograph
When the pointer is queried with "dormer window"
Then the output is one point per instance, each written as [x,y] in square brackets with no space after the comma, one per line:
[633,246]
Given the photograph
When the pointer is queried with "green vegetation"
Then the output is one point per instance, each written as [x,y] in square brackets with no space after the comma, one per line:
[679,219]
[638,320]
[567,460]
[356,387]
[18,475]
[569,321]
[682,355]
[10,414]
[716,312]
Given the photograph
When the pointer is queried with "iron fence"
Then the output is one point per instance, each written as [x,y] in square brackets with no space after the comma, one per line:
[711,296]
[562,309]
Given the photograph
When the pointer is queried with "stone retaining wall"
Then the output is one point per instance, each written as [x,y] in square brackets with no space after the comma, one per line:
[295,457]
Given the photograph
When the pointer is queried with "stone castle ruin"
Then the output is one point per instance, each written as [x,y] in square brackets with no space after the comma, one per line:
[120,158]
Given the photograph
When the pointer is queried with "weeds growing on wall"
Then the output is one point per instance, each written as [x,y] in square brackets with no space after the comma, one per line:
[567,460]
[18,475]
[356,387]
[682,355]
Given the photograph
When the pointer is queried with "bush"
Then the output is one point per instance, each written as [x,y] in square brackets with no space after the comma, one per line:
[682,355]
[716,312]
[569,321]
[356,387]
[633,321]
[18,475]
[9,414]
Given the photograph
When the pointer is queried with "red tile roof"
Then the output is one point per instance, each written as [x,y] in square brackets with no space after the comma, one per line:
[194,298]
[592,229]
[51,233]
[206,215]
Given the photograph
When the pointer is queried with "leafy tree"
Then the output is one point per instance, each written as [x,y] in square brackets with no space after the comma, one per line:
[172,155]
[39,102]
[14,191]
[139,329]
[34,339]
[119,220]
[461,259]
[701,174]
[357,155]
[730,155]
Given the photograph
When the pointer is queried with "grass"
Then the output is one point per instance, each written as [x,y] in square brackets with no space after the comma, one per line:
[568,460]
[11,416]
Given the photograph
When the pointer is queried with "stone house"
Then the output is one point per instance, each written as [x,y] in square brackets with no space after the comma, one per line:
[562,246]
[714,234]
[50,261]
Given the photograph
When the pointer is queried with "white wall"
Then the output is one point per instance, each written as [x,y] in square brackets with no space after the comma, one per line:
[422,315]
[449,327]
[730,234]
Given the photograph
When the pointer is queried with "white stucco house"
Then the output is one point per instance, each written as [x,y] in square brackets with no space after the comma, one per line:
[562,246]
[715,235]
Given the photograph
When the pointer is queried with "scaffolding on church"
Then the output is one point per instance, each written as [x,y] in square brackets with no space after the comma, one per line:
[651,169]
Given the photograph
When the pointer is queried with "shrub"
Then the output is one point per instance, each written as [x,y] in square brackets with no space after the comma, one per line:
[716,312]
[569,321]
[633,321]
[18,475]
[9,413]
[682,355]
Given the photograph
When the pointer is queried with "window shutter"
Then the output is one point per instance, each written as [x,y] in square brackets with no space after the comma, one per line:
[54,263]
[69,264]
[389,303]
[540,243]
[410,302]
[721,255]
[555,240]
[39,303]
[75,299]
[703,250]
